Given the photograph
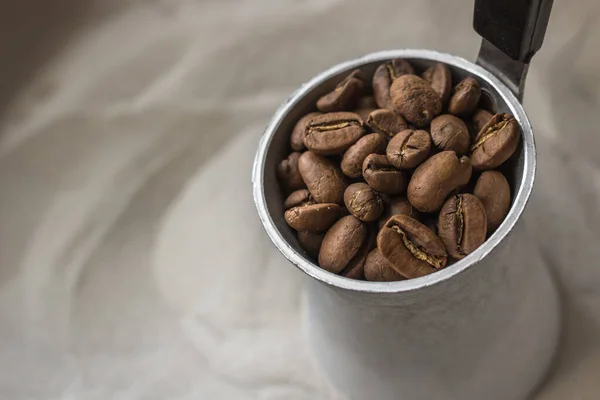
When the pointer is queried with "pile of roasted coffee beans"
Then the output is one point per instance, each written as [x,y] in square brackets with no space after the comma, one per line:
[398,178]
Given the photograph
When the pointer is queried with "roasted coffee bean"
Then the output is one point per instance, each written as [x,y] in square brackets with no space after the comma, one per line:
[354,157]
[356,267]
[382,176]
[440,79]
[324,179]
[345,95]
[341,243]
[450,133]
[297,138]
[333,133]
[312,217]
[496,142]
[383,78]
[413,98]
[386,122]
[465,98]
[363,202]
[289,174]
[409,148]
[398,205]
[436,178]
[311,242]
[378,268]
[480,118]
[298,198]
[462,225]
[494,192]
[412,249]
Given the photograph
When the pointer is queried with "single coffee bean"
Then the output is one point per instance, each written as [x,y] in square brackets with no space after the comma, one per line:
[383,78]
[412,249]
[324,179]
[333,133]
[409,148]
[311,242]
[413,98]
[289,174]
[450,133]
[398,205]
[436,178]
[298,198]
[493,190]
[363,202]
[297,137]
[354,157]
[341,243]
[312,217]
[382,176]
[345,95]
[356,267]
[462,225]
[440,79]
[480,118]
[378,268]
[466,97]
[386,121]
[496,142]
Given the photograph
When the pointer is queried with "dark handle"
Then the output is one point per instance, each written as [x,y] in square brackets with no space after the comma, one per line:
[512,31]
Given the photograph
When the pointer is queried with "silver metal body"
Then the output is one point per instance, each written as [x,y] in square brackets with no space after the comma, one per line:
[484,328]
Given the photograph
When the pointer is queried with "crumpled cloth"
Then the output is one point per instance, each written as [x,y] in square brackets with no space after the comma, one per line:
[132,262]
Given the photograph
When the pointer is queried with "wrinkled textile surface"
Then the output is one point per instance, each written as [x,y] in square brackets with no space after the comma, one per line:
[132,263]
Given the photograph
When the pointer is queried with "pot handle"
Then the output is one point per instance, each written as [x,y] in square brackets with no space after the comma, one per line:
[512,32]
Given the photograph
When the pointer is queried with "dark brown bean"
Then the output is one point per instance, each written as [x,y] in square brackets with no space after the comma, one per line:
[312,217]
[436,178]
[289,175]
[465,98]
[382,176]
[297,198]
[386,122]
[440,79]
[450,133]
[462,225]
[324,179]
[311,242]
[409,148]
[383,78]
[398,205]
[378,268]
[480,118]
[345,95]
[341,243]
[363,202]
[412,249]
[415,100]
[496,142]
[297,137]
[493,190]
[354,157]
[333,133]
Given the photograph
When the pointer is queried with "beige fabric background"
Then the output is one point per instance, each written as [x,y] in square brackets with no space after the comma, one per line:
[132,265]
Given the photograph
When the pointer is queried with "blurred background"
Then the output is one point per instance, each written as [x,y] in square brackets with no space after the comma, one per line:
[132,263]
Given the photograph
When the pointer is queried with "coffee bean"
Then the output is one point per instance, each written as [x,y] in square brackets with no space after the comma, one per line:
[354,157]
[289,174]
[312,217]
[413,98]
[333,133]
[345,95]
[465,98]
[450,133]
[341,243]
[436,178]
[496,142]
[297,198]
[297,138]
[398,205]
[412,249]
[383,78]
[494,192]
[382,176]
[378,268]
[480,118]
[311,242]
[356,267]
[386,122]
[363,202]
[440,79]
[365,106]
[462,225]
[409,148]
[324,179]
